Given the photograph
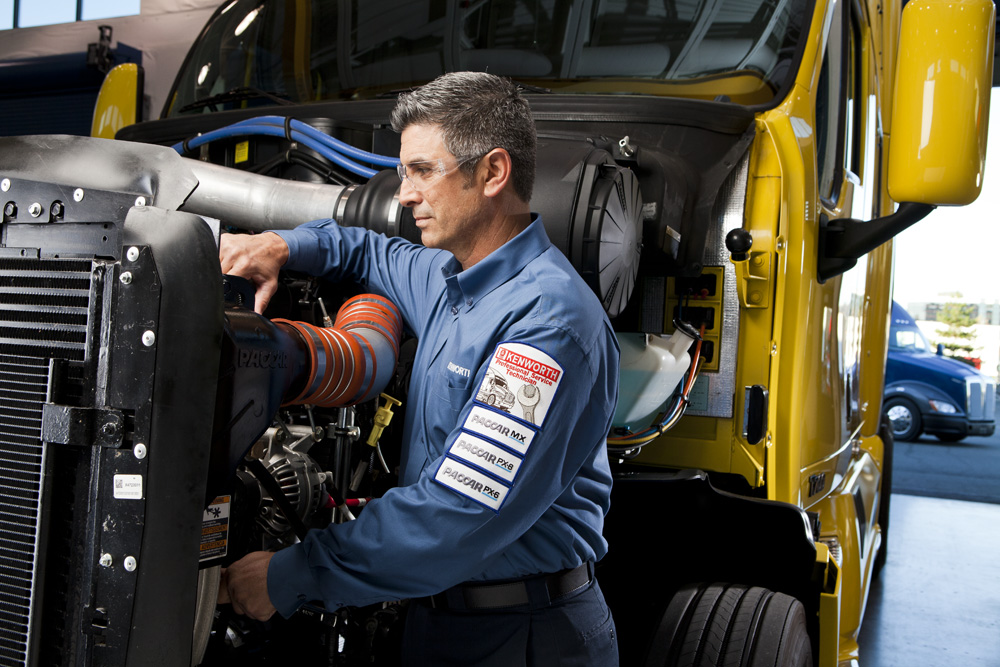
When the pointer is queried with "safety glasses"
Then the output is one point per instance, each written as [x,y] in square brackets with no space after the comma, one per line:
[423,174]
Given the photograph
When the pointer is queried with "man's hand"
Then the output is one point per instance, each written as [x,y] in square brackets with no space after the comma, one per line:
[244,585]
[257,258]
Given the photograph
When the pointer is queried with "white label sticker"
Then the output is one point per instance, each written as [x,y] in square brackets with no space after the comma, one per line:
[215,529]
[521,380]
[472,484]
[128,487]
[486,455]
[499,427]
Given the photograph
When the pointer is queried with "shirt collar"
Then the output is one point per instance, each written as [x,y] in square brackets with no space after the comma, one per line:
[465,288]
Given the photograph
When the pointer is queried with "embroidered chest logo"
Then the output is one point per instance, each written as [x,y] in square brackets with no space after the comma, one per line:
[459,370]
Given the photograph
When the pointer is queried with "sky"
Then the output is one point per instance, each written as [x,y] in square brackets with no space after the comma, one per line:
[46,12]
[956,249]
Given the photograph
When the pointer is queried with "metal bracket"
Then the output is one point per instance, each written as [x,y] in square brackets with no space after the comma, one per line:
[68,425]
[753,279]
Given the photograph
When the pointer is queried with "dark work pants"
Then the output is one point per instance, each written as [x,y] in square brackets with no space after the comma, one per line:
[574,631]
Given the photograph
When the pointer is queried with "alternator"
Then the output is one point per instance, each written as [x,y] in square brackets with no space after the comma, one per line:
[298,475]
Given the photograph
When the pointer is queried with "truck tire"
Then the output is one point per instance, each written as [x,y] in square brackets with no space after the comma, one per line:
[731,625]
[904,417]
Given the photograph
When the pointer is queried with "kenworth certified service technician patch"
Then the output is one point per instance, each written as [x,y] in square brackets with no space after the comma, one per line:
[521,380]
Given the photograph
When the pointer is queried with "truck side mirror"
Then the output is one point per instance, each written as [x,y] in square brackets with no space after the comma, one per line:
[940,349]
[119,103]
[941,104]
[937,139]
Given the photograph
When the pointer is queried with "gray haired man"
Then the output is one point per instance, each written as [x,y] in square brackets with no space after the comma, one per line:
[497,522]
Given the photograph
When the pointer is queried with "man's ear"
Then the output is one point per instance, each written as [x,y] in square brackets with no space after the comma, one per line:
[498,168]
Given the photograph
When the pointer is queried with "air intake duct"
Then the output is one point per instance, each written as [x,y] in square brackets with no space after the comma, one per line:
[266,364]
[350,362]
[590,205]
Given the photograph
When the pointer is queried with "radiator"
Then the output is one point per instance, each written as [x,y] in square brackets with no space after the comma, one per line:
[110,326]
[44,306]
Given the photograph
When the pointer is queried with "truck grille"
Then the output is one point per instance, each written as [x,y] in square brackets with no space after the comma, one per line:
[980,396]
[44,305]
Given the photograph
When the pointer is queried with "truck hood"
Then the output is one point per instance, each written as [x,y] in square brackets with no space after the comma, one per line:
[933,363]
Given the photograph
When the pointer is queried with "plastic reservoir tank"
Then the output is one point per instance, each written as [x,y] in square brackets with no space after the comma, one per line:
[651,367]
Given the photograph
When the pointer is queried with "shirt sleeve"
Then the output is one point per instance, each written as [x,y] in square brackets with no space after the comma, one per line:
[423,538]
[325,249]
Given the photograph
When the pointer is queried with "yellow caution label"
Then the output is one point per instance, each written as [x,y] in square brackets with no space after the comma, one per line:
[242,151]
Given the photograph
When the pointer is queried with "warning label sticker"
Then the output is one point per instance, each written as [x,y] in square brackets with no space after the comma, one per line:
[128,487]
[522,381]
[215,529]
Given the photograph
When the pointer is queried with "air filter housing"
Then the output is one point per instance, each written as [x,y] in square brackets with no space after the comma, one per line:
[592,211]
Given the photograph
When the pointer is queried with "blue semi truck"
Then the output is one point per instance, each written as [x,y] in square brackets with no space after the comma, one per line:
[927,392]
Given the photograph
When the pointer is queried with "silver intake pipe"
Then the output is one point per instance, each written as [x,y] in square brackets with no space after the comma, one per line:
[158,176]
[257,203]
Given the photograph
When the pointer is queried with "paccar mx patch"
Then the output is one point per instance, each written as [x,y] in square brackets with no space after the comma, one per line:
[500,428]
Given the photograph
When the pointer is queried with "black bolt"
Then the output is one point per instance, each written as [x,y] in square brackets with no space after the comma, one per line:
[109,430]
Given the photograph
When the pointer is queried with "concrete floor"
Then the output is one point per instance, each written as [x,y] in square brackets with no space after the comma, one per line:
[937,602]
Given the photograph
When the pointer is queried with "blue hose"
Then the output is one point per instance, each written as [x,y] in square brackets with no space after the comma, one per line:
[330,148]
[332,142]
[271,130]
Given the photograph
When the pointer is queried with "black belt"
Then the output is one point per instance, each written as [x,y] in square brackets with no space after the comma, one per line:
[532,592]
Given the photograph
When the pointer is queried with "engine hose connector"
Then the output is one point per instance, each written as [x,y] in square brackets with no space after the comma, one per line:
[353,361]
[382,418]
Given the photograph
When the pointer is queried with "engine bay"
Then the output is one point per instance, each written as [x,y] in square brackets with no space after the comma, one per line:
[195,425]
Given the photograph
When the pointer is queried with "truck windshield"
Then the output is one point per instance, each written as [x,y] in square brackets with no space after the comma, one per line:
[908,339]
[258,52]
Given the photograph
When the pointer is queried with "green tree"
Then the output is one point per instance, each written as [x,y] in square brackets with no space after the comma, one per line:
[959,338]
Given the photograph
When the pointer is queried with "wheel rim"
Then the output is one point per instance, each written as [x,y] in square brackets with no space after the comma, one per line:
[901,418]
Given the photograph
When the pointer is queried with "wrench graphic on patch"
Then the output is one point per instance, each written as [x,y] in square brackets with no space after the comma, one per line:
[528,396]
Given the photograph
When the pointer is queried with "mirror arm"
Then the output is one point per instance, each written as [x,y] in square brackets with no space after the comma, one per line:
[844,240]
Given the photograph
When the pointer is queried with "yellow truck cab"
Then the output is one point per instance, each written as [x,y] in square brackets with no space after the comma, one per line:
[727,176]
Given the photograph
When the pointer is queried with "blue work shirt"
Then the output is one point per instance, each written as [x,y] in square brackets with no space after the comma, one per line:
[512,484]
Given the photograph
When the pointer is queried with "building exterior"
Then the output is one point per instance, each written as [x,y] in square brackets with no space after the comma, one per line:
[985,313]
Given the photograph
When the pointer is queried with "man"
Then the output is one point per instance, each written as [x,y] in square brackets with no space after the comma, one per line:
[497,521]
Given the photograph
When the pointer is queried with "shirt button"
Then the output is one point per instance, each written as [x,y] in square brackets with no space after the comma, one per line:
[468,302]
[454,310]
